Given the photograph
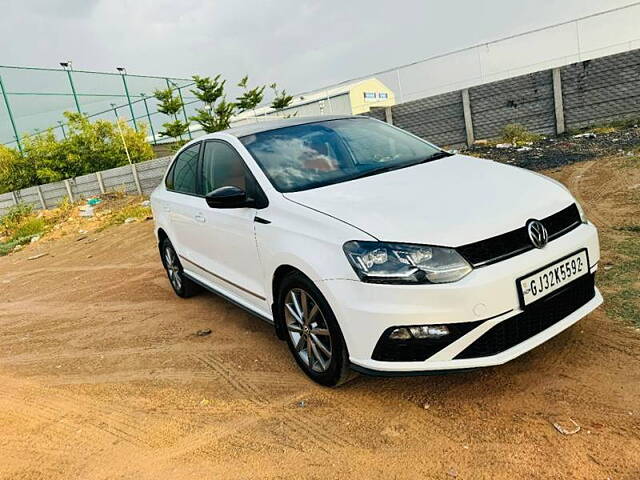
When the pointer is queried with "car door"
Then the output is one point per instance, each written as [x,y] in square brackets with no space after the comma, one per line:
[182,201]
[226,250]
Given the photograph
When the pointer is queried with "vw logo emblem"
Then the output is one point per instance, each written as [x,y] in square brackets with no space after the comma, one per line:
[537,233]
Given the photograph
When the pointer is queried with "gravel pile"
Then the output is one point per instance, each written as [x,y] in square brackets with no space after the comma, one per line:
[559,151]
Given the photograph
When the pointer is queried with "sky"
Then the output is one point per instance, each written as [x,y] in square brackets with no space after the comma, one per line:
[300,44]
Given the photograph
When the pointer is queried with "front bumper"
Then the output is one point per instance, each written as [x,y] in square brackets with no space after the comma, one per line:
[488,295]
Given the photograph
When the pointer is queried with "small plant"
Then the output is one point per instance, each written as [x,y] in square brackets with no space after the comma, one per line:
[281,100]
[130,211]
[6,248]
[251,98]
[29,227]
[603,130]
[517,134]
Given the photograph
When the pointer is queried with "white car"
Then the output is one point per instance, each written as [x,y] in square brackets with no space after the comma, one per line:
[370,249]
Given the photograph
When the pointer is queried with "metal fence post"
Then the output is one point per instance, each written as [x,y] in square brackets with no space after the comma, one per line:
[146,107]
[67,185]
[100,182]
[134,171]
[41,197]
[558,100]
[126,91]
[11,119]
[388,115]
[184,111]
[468,119]
[73,89]
[15,198]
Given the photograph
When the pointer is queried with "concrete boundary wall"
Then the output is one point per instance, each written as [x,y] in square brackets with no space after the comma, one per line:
[547,102]
[49,195]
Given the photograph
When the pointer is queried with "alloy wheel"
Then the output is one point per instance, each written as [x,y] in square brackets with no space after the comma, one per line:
[173,268]
[308,330]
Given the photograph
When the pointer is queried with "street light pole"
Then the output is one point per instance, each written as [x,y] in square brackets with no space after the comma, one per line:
[123,73]
[11,119]
[126,150]
[146,107]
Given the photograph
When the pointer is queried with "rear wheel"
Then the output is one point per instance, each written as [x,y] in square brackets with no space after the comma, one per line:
[183,287]
[312,332]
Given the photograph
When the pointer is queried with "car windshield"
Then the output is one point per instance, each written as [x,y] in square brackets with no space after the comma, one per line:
[322,153]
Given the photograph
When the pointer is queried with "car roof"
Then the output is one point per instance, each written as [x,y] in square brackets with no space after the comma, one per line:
[268,124]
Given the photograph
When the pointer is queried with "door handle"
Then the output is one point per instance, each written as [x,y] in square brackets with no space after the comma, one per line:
[200,218]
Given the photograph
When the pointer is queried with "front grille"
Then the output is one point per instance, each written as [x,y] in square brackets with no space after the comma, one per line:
[536,318]
[506,245]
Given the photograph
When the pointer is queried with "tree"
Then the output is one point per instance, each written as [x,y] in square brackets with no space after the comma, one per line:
[171,105]
[216,112]
[224,111]
[251,98]
[212,117]
[280,100]
[16,171]
[89,147]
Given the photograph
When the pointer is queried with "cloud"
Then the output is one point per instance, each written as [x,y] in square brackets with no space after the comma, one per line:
[301,44]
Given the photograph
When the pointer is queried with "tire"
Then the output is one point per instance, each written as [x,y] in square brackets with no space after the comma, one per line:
[183,287]
[313,335]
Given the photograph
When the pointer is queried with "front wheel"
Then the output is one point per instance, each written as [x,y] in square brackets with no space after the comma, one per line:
[313,334]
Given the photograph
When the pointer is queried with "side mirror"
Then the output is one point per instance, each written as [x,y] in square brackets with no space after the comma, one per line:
[229,197]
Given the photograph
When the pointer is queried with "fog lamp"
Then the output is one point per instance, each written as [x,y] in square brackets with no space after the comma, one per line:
[400,334]
[429,331]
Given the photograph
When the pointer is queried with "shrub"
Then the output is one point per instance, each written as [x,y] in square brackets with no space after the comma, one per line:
[516,134]
[16,214]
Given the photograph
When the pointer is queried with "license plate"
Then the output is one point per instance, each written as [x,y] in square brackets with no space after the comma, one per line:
[552,277]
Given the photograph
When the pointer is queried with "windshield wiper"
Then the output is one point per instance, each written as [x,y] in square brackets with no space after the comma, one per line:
[435,156]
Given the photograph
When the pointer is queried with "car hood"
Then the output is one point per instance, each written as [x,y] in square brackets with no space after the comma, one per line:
[449,202]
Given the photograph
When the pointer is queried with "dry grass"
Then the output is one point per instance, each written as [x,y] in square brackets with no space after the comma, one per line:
[21,224]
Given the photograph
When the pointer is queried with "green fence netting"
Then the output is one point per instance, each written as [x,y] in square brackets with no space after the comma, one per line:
[33,100]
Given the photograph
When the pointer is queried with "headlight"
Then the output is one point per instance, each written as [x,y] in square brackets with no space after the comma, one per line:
[379,262]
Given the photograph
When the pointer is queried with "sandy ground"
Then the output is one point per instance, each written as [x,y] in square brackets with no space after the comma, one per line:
[102,376]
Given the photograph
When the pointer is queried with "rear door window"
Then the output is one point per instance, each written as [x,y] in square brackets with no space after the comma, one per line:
[183,175]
